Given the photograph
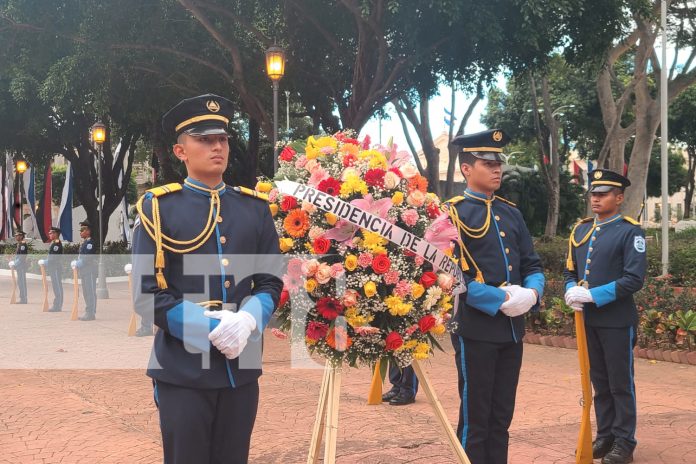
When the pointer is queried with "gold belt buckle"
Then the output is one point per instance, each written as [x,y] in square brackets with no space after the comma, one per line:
[584,283]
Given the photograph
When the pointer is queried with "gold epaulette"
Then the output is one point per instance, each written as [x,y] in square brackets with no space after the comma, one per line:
[631,220]
[505,201]
[251,193]
[455,200]
[165,189]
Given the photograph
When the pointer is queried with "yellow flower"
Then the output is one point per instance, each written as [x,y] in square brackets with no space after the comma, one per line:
[286,244]
[417,290]
[331,219]
[353,184]
[422,351]
[409,345]
[439,329]
[351,262]
[446,303]
[374,242]
[398,198]
[396,306]
[370,289]
[310,341]
[264,187]
[314,146]
[378,161]
[310,285]
[355,319]
[274,209]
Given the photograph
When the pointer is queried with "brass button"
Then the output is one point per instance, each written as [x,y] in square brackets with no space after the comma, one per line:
[502,234]
[587,272]
[510,268]
[227,284]
[590,248]
[593,238]
[225,262]
[598,228]
[589,261]
[497,218]
[223,240]
[507,251]
[219,219]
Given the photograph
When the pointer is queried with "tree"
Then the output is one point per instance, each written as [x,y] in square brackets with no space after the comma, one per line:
[682,129]
[677,173]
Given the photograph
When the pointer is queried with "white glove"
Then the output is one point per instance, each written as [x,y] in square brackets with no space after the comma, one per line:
[73,264]
[128,268]
[12,264]
[42,262]
[576,296]
[232,334]
[521,300]
[577,306]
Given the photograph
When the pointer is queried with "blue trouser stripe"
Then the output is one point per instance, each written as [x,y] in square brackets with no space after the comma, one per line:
[465,393]
[633,384]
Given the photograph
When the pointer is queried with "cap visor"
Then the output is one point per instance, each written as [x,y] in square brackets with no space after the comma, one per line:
[489,156]
[602,188]
[205,129]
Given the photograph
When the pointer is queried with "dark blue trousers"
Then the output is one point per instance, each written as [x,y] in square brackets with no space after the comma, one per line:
[22,283]
[611,372]
[89,288]
[56,274]
[404,380]
[206,426]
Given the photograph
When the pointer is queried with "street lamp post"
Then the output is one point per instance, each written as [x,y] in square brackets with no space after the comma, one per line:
[98,133]
[21,168]
[275,68]
[287,114]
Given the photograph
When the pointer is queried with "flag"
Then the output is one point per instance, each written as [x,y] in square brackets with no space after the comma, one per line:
[16,206]
[448,112]
[590,168]
[3,202]
[447,121]
[125,228]
[45,203]
[32,228]
[65,211]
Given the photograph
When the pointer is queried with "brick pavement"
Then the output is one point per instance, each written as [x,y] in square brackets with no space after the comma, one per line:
[75,392]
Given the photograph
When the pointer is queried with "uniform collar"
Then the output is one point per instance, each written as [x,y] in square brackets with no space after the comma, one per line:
[478,195]
[200,187]
[607,221]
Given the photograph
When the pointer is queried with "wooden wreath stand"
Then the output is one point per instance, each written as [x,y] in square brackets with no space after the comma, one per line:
[13,297]
[583,453]
[133,323]
[76,296]
[326,421]
[44,306]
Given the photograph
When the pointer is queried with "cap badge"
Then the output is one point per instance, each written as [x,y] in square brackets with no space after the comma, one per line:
[598,175]
[213,106]
[497,136]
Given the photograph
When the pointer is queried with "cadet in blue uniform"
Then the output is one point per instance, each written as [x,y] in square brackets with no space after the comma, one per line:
[215,278]
[505,280]
[20,265]
[87,266]
[404,386]
[54,266]
[605,267]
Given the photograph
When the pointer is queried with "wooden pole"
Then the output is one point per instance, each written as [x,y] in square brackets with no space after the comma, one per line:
[331,425]
[13,297]
[76,295]
[319,419]
[45,288]
[583,453]
[133,324]
[451,436]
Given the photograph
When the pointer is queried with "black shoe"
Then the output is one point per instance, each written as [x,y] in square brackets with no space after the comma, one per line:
[618,455]
[87,317]
[54,310]
[21,302]
[601,446]
[144,332]
[390,395]
[402,399]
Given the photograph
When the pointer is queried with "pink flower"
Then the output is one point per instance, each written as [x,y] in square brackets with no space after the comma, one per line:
[419,260]
[342,232]
[441,233]
[311,165]
[327,150]
[391,277]
[337,270]
[309,268]
[365,260]
[273,195]
[410,217]
[366,142]
[411,329]
[416,198]
[366,330]
[445,281]
[295,267]
[279,333]
[379,208]
[301,162]
[350,298]
[317,176]
[323,274]
[292,283]
[403,288]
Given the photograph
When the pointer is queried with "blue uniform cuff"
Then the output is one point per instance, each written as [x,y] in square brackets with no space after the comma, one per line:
[186,322]
[604,294]
[485,298]
[535,282]
[570,285]
[261,307]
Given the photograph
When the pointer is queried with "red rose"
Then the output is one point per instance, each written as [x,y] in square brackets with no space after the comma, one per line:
[381,264]
[351,141]
[366,143]
[284,297]
[433,210]
[426,323]
[331,186]
[288,203]
[317,330]
[409,253]
[329,308]
[428,279]
[287,154]
[394,341]
[321,245]
[349,160]
[375,178]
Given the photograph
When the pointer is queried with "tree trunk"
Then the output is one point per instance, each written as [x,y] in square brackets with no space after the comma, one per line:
[691,182]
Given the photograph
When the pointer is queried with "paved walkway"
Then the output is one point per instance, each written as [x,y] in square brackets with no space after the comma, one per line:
[75,392]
